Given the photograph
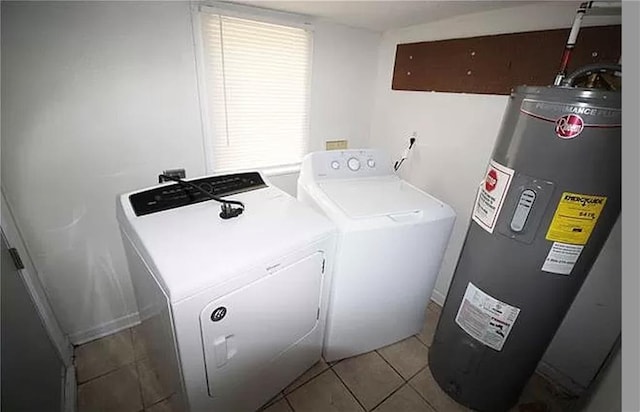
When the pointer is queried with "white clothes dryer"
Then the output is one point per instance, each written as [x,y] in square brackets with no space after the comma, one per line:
[232,310]
[392,238]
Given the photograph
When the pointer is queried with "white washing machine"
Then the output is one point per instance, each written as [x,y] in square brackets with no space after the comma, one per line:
[392,238]
[232,310]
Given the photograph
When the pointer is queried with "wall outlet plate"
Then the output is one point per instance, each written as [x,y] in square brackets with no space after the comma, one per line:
[179,173]
[336,144]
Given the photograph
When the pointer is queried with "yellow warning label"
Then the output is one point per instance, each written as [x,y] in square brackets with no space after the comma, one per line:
[575,218]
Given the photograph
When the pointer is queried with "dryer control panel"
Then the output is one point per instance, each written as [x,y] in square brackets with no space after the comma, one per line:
[177,195]
[344,164]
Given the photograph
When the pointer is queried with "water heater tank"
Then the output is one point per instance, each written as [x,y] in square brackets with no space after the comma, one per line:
[544,209]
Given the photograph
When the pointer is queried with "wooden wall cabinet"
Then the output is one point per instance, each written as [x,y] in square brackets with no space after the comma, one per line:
[496,64]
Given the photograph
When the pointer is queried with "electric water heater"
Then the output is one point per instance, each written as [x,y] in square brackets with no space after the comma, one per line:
[544,209]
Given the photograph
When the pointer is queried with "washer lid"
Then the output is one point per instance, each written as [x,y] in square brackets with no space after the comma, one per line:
[385,196]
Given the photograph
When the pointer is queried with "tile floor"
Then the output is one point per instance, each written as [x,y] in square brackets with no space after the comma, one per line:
[113,375]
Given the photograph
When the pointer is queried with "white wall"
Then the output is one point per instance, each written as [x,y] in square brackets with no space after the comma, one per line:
[96,100]
[456,131]
[100,97]
[344,73]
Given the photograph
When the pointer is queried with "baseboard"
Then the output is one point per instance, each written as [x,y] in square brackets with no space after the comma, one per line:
[105,329]
[70,390]
[438,297]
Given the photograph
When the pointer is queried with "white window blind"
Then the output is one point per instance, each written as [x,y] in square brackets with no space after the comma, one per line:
[257,92]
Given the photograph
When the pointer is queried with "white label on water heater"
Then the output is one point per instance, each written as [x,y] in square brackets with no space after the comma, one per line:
[562,258]
[491,195]
[485,318]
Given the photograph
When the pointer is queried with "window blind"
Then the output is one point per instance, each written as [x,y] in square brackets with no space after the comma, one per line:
[257,88]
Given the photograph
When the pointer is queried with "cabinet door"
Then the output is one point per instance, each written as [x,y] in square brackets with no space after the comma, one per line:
[245,331]
[32,371]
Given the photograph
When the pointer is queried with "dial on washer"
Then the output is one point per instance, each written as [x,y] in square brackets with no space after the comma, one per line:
[354,164]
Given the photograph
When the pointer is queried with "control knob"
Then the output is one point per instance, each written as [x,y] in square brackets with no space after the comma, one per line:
[354,164]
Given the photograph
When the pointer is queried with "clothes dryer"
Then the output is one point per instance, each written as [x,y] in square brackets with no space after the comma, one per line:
[232,310]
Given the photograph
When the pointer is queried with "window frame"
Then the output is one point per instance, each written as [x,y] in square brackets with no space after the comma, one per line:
[249,13]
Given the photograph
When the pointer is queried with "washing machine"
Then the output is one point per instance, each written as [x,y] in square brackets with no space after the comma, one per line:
[232,310]
[391,241]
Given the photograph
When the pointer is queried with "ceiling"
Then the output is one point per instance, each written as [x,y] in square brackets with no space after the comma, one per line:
[383,15]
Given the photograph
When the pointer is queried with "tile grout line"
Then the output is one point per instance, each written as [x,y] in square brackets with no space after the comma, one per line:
[132,363]
[137,370]
[105,373]
[394,391]
[139,381]
[420,340]
[416,374]
[418,392]
[304,384]
[284,395]
[155,403]
[349,390]
[272,401]
[390,395]
[391,366]
[409,337]
[288,403]
[78,383]
[406,381]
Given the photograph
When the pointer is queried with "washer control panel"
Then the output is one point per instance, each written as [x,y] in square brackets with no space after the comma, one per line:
[176,195]
[346,164]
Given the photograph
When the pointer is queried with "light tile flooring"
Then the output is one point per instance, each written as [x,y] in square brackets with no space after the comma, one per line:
[113,375]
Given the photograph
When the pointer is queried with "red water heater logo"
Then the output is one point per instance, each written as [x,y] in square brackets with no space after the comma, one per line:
[491,180]
[569,126]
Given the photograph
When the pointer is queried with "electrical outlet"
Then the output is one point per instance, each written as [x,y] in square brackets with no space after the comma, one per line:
[179,173]
[336,144]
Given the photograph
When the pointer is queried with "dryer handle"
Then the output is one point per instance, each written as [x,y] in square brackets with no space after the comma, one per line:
[405,217]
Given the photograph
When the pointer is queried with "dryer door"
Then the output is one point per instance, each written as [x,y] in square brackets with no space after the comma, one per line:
[245,331]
